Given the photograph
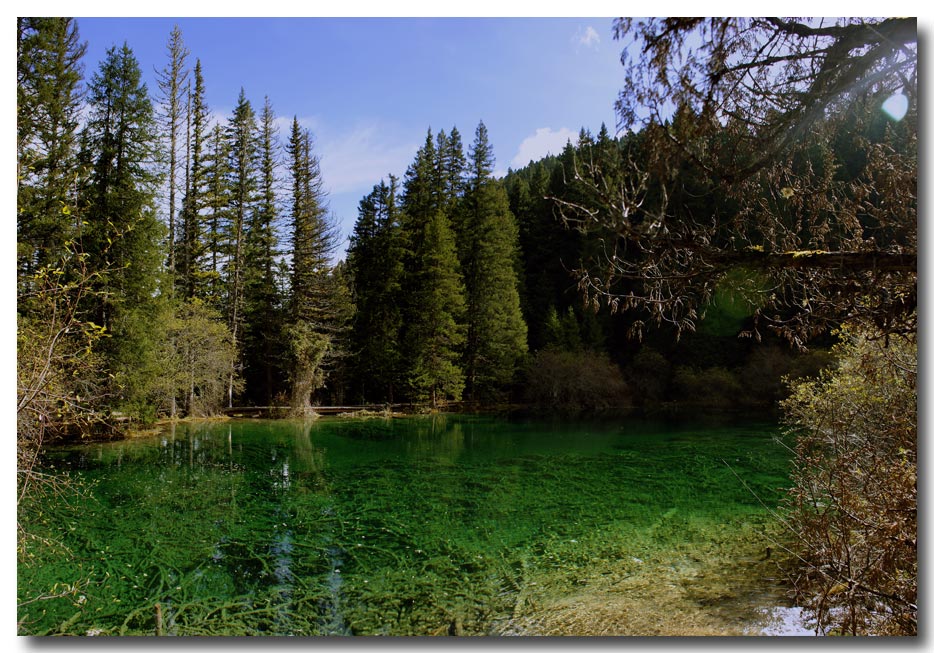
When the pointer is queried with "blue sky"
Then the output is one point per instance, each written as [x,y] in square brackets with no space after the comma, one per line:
[369,88]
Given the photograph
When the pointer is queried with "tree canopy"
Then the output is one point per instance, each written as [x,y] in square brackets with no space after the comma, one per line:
[767,146]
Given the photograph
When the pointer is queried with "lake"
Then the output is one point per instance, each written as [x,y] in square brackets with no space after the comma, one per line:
[437,525]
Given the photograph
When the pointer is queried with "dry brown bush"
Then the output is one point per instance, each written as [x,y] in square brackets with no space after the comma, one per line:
[853,506]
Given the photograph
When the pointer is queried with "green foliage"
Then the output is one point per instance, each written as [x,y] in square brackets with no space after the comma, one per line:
[432,299]
[422,187]
[264,313]
[121,234]
[217,204]
[179,362]
[853,505]
[488,246]
[452,166]
[562,332]
[375,263]
[137,359]
[243,182]
[509,286]
[543,242]
[201,351]
[713,387]
[48,105]
[314,234]
[434,334]
[191,266]
[58,367]
[319,303]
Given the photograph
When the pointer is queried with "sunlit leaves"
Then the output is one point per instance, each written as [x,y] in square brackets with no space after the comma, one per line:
[853,506]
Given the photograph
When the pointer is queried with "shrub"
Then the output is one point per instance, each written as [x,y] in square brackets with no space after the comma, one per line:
[853,504]
[575,381]
[764,376]
[649,373]
[715,387]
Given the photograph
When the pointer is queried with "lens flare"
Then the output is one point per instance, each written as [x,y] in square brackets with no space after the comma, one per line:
[896,106]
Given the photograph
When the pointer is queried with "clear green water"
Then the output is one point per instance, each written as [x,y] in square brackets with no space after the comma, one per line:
[413,526]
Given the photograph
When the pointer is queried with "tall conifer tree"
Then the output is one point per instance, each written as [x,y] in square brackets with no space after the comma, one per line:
[242,140]
[319,301]
[421,195]
[453,169]
[173,84]
[451,180]
[432,288]
[542,239]
[48,103]
[217,192]
[192,250]
[434,333]
[496,330]
[261,298]
[374,260]
[123,236]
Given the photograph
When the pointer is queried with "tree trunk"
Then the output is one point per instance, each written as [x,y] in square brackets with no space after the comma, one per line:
[303,385]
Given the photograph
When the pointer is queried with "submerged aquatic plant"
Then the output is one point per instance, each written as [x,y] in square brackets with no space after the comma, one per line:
[417,526]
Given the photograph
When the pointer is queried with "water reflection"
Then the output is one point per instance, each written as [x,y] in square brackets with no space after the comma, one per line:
[437,438]
[408,526]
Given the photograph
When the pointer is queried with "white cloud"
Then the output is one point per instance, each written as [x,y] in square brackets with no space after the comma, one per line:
[587,37]
[357,160]
[543,142]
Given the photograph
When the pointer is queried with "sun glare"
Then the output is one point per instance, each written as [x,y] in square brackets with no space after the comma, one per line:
[896,106]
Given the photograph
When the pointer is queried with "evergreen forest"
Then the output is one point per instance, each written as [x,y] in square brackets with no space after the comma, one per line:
[199,267]
[759,260]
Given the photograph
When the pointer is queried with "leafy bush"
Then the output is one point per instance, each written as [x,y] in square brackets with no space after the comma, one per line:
[715,387]
[575,381]
[649,373]
[853,505]
[203,354]
[765,374]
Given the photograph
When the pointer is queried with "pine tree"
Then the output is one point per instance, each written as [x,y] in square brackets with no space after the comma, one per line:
[48,103]
[422,188]
[262,305]
[173,84]
[119,144]
[374,261]
[434,334]
[192,249]
[548,249]
[217,195]
[123,235]
[432,293]
[453,169]
[451,181]
[319,300]
[496,331]
[243,182]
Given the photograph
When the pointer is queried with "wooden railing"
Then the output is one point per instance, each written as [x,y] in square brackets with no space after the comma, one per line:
[252,411]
